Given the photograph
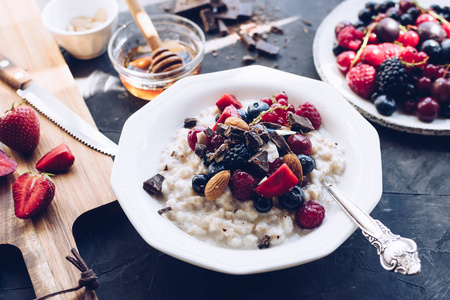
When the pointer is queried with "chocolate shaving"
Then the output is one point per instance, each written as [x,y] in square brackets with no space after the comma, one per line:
[267,48]
[166,168]
[190,122]
[283,147]
[209,132]
[154,184]
[299,123]
[261,131]
[248,42]
[219,151]
[253,140]
[221,128]
[164,210]
[200,150]
[234,132]
[208,20]
[260,161]
[265,242]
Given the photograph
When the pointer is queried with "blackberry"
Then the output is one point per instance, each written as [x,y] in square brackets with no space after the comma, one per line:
[391,77]
[237,157]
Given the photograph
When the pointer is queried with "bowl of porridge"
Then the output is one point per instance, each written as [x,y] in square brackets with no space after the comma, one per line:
[196,185]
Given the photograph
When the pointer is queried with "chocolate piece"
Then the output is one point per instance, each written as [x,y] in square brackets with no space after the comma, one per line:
[265,242]
[260,161]
[261,131]
[200,150]
[234,132]
[189,6]
[209,132]
[223,29]
[232,11]
[276,29]
[283,147]
[253,140]
[219,151]
[248,42]
[208,20]
[246,9]
[221,128]
[299,123]
[154,184]
[248,59]
[267,48]
[218,6]
[164,210]
[271,125]
[190,122]
[307,22]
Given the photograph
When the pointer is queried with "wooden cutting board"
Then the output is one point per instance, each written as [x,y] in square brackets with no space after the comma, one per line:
[46,239]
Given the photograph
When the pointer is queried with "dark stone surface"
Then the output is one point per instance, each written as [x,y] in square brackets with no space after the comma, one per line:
[415,204]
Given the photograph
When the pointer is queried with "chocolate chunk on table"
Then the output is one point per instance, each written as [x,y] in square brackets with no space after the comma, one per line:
[232,11]
[190,6]
[260,161]
[248,59]
[248,42]
[154,184]
[279,141]
[276,29]
[267,48]
[208,20]
[190,122]
[218,6]
[299,123]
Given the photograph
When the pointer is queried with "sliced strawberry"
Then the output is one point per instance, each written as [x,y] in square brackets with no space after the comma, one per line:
[32,194]
[279,183]
[227,100]
[7,164]
[229,111]
[57,160]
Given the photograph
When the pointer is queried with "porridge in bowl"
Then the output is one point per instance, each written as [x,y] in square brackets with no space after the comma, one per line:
[247,174]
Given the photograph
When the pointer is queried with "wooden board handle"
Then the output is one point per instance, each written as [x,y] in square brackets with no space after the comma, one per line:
[145,24]
[11,74]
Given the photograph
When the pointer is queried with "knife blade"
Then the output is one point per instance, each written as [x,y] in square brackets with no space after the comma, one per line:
[55,110]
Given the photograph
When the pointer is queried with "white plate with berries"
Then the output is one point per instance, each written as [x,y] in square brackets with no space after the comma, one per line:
[149,132]
[355,39]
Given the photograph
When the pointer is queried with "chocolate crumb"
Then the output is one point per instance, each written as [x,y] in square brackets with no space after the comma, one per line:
[190,122]
[276,29]
[208,20]
[235,211]
[200,150]
[305,30]
[224,230]
[248,59]
[173,153]
[166,168]
[260,162]
[209,132]
[265,242]
[154,184]
[248,42]
[307,22]
[299,123]
[214,53]
[164,210]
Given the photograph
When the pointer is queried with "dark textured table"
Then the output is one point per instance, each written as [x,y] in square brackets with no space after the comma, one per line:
[415,204]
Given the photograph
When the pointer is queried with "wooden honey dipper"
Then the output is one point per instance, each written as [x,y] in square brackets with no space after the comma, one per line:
[163,60]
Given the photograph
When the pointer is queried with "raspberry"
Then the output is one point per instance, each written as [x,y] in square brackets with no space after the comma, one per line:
[310,215]
[350,38]
[242,185]
[390,49]
[309,111]
[361,80]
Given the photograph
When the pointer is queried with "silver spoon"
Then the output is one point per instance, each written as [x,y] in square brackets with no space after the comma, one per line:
[396,253]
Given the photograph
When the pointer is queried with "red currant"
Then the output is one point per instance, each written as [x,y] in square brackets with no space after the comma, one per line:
[283,102]
[291,108]
[425,18]
[267,100]
[281,95]
[344,60]
[411,38]
[423,85]
[270,116]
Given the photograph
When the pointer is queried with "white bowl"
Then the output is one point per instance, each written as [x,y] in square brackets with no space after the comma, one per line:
[147,132]
[87,44]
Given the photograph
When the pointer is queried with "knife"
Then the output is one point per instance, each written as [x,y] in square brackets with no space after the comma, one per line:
[53,108]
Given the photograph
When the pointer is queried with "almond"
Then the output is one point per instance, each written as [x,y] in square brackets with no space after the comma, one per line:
[294,164]
[238,122]
[217,185]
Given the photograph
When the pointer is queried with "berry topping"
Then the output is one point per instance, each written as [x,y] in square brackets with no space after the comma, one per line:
[273,166]
[293,200]
[242,185]
[59,159]
[387,30]
[309,111]
[199,182]
[361,80]
[391,77]
[310,215]
[7,164]
[427,109]
[385,105]
[344,60]
[255,108]
[279,183]
[237,157]
[299,144]
[373,55]
[308,163]
[350,38]
[440,89]
[227,100]
[192,135]
[262,204]
[390,50]
[229,111]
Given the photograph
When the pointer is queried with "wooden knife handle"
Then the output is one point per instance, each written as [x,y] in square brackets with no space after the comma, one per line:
[12,75]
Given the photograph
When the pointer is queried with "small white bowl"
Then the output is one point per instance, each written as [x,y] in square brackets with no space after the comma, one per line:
[86,44]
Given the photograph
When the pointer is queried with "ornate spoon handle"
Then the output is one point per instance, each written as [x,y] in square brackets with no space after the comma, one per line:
[396,253]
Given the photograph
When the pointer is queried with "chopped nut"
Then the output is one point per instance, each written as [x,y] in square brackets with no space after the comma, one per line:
[217,185]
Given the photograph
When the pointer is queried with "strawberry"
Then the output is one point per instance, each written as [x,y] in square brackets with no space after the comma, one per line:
[279,183]
[229,111]
[57,160]
[19,129]
[227,100]
[361,80]
[32,194]
[7,164]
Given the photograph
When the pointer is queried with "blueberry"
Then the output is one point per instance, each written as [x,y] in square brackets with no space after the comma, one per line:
[414,12]
[445,109]
[293,199]
[410,90]
[389,4]
[406,19]
[385,105]
[215,168]
[255,108]
[199,182]
[445,51]
[436,8]
[262,204]
[338,49]
[308,163]
[244,114]
[370,5]
[433,49]
[365,15]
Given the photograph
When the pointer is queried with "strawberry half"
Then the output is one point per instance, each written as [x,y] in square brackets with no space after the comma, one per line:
[278,184]
[32,194]
[7,164]
[20,129]
[57,160]
[227,100]
[229,111]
